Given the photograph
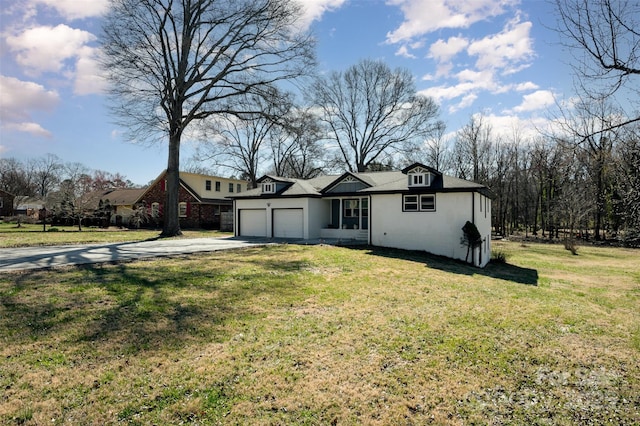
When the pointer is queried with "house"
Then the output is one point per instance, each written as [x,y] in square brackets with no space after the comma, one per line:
[203,201]
[28,206]
[6,204]
[417,208]
[122,201]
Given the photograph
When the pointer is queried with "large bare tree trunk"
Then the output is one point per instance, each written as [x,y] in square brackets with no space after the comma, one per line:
[171,227]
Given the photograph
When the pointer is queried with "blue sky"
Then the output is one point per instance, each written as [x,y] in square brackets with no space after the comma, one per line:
[496,57]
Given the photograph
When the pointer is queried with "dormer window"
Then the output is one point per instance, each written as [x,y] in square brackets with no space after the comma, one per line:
[268,187]
[419,177]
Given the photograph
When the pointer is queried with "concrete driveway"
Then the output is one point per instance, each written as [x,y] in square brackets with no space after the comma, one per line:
[16,259]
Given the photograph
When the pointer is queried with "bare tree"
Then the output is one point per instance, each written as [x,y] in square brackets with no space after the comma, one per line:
[46,174]
[435,151]
[70,200]
[295,148]
[590,129]
[604,38]
[238,142]
[472,149]
[174,62]
[373,112]
[16,177]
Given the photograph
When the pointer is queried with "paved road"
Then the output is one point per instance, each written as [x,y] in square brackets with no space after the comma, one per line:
[16,259]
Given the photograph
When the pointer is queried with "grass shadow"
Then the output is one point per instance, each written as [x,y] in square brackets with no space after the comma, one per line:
[130,308]
[499,270]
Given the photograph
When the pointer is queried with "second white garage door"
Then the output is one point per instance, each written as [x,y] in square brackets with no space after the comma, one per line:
[253,223]
[288,223]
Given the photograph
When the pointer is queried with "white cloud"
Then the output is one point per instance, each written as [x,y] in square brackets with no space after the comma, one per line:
[535,101]
[76,9]
[404,52]
[526,86]
[89,76]
[19,98]
[508,125]
[424,16]
[314,9]
[28,127]
[45,49]
[443,51]
[509,50]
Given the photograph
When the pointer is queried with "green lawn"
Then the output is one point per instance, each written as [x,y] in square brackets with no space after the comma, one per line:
[32,235]
[323,335]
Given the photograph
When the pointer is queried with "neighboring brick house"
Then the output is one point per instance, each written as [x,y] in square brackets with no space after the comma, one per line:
[202,200]
[6,204]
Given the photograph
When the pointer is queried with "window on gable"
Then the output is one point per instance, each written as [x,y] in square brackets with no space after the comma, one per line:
[207,185]
[268,187]
[351,208]
[155,209]
[419,179]
[182,209]
[217,186]
[427,202]
[410,203]
[1,203]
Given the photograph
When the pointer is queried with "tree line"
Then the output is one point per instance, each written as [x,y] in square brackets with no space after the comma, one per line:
[60,186]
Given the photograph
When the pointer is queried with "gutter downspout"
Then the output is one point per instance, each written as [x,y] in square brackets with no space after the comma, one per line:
[473,220]
[370,224]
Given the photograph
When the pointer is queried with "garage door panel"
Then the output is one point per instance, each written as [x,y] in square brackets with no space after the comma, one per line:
[253,223]
[288,223]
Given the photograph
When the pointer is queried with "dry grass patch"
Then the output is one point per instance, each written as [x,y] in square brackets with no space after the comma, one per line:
[325,335]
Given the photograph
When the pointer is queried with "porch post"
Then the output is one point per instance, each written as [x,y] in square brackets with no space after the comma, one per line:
[340,215]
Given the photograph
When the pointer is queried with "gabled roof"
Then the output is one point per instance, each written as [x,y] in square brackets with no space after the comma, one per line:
[195,194]
[116,197]
[375,182]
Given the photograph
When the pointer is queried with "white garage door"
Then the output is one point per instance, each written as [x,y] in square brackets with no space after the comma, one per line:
[253,223]
[287,223]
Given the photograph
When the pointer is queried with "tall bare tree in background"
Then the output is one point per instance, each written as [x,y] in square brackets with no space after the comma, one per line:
[604,39]
[472,149]
[296,151]
[373,112]
[174,62]
[238,142]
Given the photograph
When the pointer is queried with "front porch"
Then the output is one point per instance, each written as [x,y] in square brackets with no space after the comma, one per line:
[349,219]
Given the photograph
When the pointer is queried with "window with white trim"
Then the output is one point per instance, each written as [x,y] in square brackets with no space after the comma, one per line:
[155,209]
[419,177]
[410,203]
[182,209]
[268,187]
[427,202]
[421,203]
[351,208]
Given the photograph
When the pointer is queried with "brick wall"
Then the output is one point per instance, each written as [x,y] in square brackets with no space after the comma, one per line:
[198,215]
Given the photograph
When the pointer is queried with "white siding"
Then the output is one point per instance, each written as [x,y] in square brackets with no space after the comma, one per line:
[438,232]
